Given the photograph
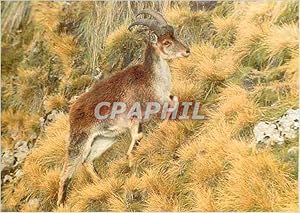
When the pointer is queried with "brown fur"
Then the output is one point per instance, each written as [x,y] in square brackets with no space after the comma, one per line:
[130,85]
[133,84]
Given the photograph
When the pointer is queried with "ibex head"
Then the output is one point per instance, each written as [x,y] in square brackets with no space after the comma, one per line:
[162,37]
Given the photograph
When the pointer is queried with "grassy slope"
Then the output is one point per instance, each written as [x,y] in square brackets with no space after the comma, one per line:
[243,68]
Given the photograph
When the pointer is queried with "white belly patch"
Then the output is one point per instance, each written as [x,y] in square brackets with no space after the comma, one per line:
[162,81]
[99,146]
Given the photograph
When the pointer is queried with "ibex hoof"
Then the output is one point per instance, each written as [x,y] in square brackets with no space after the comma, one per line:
[60,204]
[138,136]
[130,163]
[129,158]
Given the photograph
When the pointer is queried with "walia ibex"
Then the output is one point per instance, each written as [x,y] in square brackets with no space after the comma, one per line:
[146,82]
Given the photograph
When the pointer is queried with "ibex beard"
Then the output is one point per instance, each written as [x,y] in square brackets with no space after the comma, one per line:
[143,111]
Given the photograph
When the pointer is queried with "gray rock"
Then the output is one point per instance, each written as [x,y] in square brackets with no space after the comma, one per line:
[21,151]
[276,132]
[34,203]
[7,179]
[99,76]
[52,116]
[7,160]
[73,99]
[19,173]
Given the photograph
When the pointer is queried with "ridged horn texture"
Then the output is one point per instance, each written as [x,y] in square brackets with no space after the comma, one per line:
[155,15]
[158,25]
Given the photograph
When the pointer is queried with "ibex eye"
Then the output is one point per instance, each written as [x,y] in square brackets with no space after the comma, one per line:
[167,43]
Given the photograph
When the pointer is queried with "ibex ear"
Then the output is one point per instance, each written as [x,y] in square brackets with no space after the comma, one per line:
[153,38]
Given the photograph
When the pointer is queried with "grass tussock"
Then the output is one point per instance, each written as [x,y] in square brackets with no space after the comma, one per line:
[237,109]
[187,23]
[226,29]
[18,125]
[14,15]
[118,42]
[56,102]
[263,184]
[282,40]
[243,68]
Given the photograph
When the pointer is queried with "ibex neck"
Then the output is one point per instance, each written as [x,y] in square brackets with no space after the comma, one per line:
[160,74]
[152,59]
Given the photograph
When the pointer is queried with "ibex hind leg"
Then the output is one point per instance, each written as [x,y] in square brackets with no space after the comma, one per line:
[73,159]
[99,146]
[103,137]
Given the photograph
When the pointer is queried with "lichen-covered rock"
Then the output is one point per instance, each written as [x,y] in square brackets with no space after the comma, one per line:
[293,151]
[7,179]
[11,161]
[289,123]
[50,117]
[21,151]
[34,203]
[18,174]
[276,132]
[7,160]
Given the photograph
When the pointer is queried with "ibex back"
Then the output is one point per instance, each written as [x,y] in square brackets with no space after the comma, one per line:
[146,82]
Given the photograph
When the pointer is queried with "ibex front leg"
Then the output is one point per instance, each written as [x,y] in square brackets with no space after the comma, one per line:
[173,104]
[136,135]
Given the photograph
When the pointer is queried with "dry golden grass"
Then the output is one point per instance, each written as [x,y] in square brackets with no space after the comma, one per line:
[64,47]
[202,74]
[160,147]
[249,38]
[29,207]
[258,38]
[185,90]
[292,67]
[32,88]
[232,178]
[161,191]
[267,11]
[206,63]
[120,41]
[53,141]
[77,85]
[236,109]
[42,167]
[46,17]
[263,185]
[18,125]
[282,38]
[57,102]
[203,199]
[226,30]
[223,25]
[194,26]
[172,15]
[12,195]
[94,196]
[130,199]
[14,15]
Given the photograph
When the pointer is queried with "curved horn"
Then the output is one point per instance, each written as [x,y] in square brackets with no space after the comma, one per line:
[151,24]
[154,14]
